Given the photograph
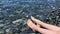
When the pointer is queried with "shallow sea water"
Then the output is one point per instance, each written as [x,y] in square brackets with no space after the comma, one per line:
[14,14]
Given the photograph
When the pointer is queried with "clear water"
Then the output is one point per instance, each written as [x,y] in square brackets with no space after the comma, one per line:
[14,13]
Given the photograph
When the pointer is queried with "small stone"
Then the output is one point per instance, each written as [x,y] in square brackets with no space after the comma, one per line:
[1,25]
[1,31]
[1,20]
[7,30]
[16,21]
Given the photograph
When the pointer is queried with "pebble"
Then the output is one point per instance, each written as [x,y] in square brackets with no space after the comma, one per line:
[1,31]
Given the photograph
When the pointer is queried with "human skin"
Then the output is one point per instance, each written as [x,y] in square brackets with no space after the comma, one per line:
[50,29]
